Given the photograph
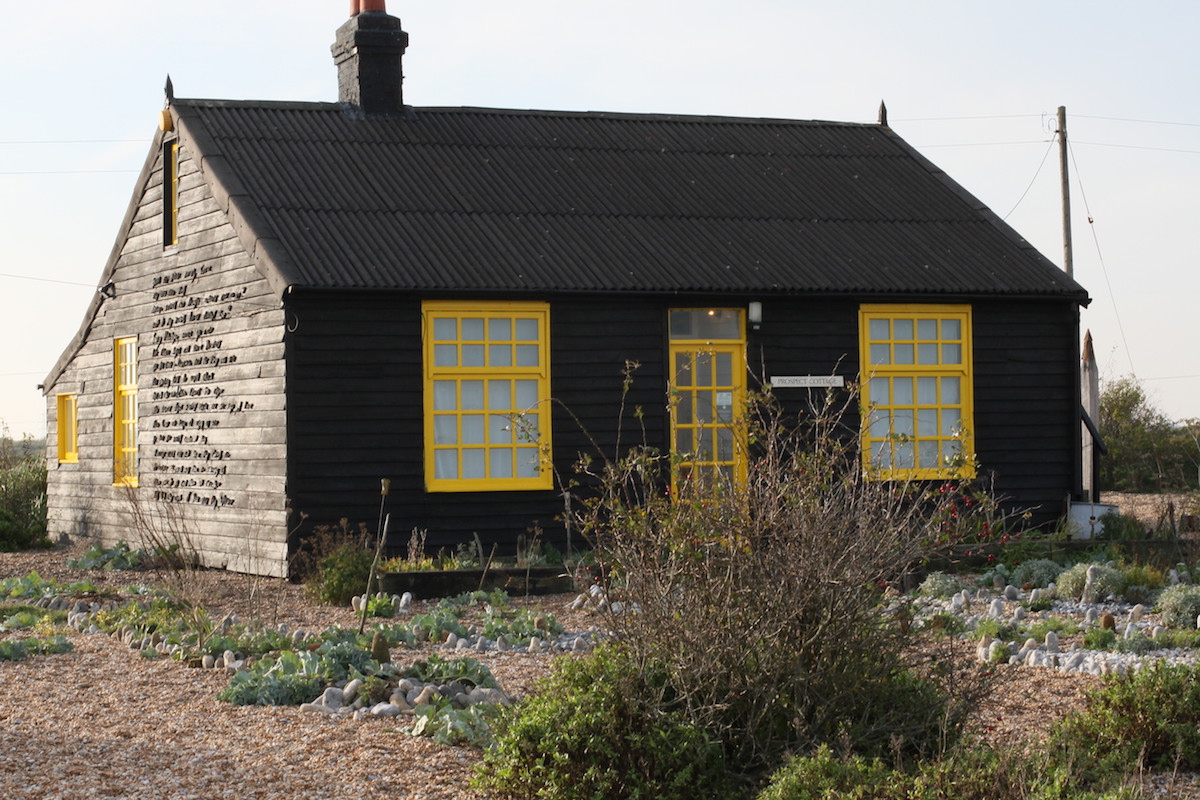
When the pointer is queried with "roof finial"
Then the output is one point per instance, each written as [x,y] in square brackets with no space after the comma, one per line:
[883,114]
[169,90]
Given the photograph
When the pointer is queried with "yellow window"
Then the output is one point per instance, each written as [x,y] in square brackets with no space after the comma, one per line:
[708,395]
[917,391]
[125,412]
[68,432]
[487,383]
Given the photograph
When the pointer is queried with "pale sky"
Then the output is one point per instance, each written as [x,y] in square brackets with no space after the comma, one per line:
[974,86]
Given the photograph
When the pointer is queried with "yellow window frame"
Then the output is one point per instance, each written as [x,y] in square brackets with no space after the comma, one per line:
[125,412]
[68,427]
[708,403]
[917,379]
[486,392]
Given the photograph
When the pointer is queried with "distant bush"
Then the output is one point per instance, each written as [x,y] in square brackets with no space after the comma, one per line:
[939,584]
[1039,572]
[338,562]
[1108,581]
[22,496]
[1180,605]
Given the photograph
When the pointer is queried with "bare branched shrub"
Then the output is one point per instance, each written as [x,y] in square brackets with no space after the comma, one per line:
[768,603]
[165,531]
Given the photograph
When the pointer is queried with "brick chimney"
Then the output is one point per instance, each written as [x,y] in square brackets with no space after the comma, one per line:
[367,51]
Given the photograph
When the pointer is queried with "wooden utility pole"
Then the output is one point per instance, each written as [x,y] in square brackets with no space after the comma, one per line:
[1068,260]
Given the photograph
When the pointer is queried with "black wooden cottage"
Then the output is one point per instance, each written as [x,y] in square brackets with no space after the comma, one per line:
[308,297]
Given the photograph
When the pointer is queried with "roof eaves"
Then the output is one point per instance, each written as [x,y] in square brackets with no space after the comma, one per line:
[260,240]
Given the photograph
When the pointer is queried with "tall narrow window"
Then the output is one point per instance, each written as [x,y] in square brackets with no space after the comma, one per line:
[487,377]
[125,412]
[170,190]
[917,391]
[708,395]
[67,429]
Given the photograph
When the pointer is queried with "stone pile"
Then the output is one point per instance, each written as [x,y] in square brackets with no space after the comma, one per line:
[348,700]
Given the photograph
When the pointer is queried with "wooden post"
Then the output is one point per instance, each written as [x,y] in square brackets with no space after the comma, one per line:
[1068,261]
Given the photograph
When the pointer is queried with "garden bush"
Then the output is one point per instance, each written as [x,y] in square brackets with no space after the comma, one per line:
[1142,720]
[602,727]
[1180,605]
[22,496]
[1108,581]
[763,601]
[1039,572]
[939,584]
[342,564]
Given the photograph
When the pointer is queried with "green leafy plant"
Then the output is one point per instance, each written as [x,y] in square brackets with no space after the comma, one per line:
[451,726]
[601,727]
[436,669]
[342,564]
[1037,572]
[1141,720]
[117,557]
[1108,581]
[1180,605]
[1099,638]
[19,649]
[22,495]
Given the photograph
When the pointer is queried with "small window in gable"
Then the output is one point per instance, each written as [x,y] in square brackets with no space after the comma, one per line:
[170,190]
[68,431]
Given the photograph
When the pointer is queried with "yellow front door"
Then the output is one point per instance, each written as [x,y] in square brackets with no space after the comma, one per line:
[708,396]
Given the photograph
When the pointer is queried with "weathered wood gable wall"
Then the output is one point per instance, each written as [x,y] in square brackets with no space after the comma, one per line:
[211,432]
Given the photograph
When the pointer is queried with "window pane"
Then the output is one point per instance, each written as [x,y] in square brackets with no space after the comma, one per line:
[927,391]
[527,394]
[683,369]
[902,391]
[951,420]
[446,464]
[471,393]
[445,355]
[881,456]
[902,422]
[500,395]
[903,329]
[880,424]
[927,422]
[903,353]
[472,355]
[904,455]
[952,354]
[724,363]
[951,329]
[527,355]
[499,355]
[527,330]
[704,407]
[445,330]
[472,328]
[501,462]
[683,440]
[705,323]
[725,407]
[472,429]
[725,444]
[704,450]
[704,375]
[445,397]
[880,329]
[525,427]
[500,330]
[927,353]
[527,462]
[953,449]
[927,453]
[473,464]
[881,354]
[445,429]
[927,329]
[683,409]
[879,391]
[500,429]
[951,396]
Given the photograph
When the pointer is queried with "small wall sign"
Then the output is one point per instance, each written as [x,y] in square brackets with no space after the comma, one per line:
[807,381]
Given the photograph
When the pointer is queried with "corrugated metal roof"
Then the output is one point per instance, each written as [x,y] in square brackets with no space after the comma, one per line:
[498,200]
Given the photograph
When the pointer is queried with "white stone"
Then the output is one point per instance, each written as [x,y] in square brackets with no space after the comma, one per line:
[386,710]
[1051,642]
[997,608]
[1136,613]
[350,690]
